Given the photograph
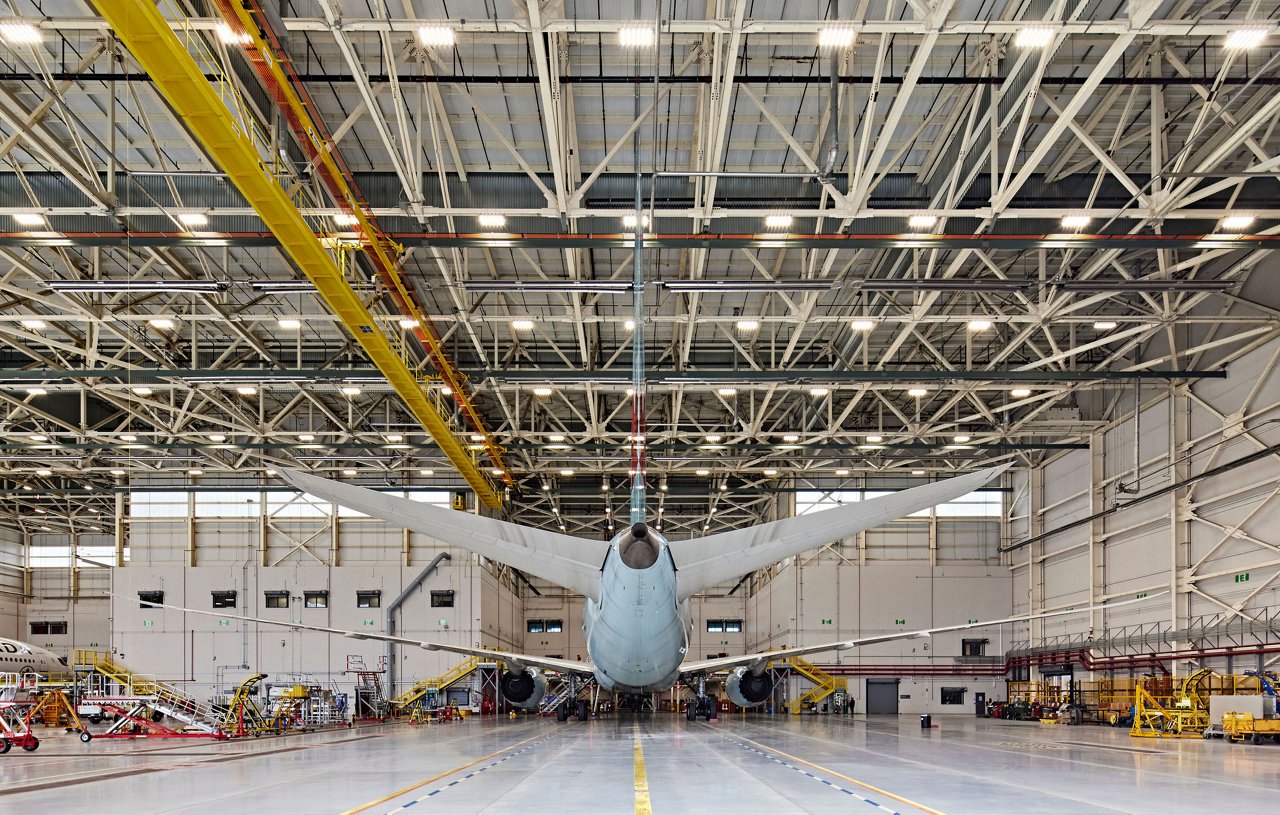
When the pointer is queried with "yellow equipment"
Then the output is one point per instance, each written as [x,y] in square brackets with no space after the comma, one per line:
[1186,718]
[243,718]
[1241,727]
[56,710]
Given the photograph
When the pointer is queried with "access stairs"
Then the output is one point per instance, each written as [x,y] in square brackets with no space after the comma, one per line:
[824,684]
[560,692]
[433,686]
[109,681]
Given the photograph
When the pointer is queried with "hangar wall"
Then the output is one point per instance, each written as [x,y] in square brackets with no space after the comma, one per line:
[1213,544]
[11,582]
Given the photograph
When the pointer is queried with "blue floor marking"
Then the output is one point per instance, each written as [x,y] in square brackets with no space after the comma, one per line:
[831,784]
[439,790]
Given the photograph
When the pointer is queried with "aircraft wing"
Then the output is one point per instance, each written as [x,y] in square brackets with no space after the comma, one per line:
[567,561]
[704,562]
[509,657]
[721,663]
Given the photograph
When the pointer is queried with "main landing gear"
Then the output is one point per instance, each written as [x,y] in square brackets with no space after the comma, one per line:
[701,705]
[572,706]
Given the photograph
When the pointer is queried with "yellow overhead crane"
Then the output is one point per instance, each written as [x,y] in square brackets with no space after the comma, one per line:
[158,49]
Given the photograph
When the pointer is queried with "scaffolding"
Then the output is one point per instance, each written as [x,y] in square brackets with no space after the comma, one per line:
[137,698]
[370,703]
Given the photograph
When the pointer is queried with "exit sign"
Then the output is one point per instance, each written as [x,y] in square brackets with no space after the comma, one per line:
[971,622]
[368,622]
[147,623]
[826,622]
[899,622]
[224,623]
[1243,577]
[1141,596]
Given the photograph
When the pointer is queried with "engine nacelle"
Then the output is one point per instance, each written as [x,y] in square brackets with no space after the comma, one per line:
[746,689]
[523,688]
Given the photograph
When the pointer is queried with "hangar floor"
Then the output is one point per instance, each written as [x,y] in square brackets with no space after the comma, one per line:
[754,764]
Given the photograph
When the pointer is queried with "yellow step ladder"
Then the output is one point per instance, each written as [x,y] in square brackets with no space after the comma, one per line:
[824,684]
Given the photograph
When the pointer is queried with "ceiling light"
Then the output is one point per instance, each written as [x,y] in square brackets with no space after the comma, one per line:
[544,392]
[39,437]
[1075,221]
[350,390]
[566,473]
[979,325]
[630,221]
[142,390]
[862,325]
[630,325]
[918,392]
[44,472]
[1237,222]
[819,391]
[955,447]
[961,439]
[426,472]
[193,219]
[37,392]
[836,36]
[289,323]
[498,471]
[161,323]
[1104,325]
[29,218]
[246,390]
[917,472]
[727,391]
[714,438]
[195,471]
[34,325]
[1033,37]
[555,437]
[436,35]
[842,472]
[874,439]
[409,323]
[229,36]
[128,437]
[790,438]
[395,438]
[522,325]
[636,36]
[778,221]
[137,286]
[345,219]
[1244,38]
[770,472]
[117,473]
[306,437]
[492,219]
[18,33]
[702,472]
[1019,393]
[217,438]
[747,326]
[446,390]
[477,437]
[348,472]
[922,221]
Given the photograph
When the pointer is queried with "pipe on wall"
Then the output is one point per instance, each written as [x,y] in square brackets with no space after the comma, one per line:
[391,617]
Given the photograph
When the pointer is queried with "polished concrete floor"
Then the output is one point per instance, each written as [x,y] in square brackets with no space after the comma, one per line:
[661,764]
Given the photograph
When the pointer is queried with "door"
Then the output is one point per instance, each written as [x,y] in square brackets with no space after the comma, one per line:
[882,696]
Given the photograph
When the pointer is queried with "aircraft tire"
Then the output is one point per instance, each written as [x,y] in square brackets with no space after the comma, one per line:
[584,709]
[691,711]
[562,712]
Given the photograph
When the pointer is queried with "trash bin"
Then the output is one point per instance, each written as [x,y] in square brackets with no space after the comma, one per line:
[926,721]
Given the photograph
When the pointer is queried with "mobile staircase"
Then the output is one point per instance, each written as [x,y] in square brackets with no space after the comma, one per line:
[136,700]
[824,684]
[428,690]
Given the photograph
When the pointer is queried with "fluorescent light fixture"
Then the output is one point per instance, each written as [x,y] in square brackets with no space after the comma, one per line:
[567,473]
[136,286]
[629,221]
[217,438]
[306,437]
[128,437]
[229,36]
[630,325]
[555,437]
[39,437]
[922,221]
[436,34]
[842,472]
[29,218]
[917,472]
[979,325]
[819,391]
[790,438]
[1033,37]
[395,438]
[142,390]
[37,392]
[34,325]
[956,447]
[747,326]
[117,473]
[862,325]
[492,219]
[348,472]
[637,36]
[1245,38]
[544,392]
[522,325]
[769,471]
[836,36]
[193,219]
[727,286]
[350,390]
[1020,393]
[44,472]
[874,439]
[498,471]
[161,323]
[727,391]
[289,323]
[19,33]
[702,472]
[246,390]
[345,219]
[426,472]
[477,437]
[961,439]
[582,286]
[918,392]
[778,221]
[1104,325]
[1237,222]
[409,323]
[1075,221]
[195,471]
[714,438]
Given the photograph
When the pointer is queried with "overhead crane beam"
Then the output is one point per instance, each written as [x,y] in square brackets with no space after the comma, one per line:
[182,82]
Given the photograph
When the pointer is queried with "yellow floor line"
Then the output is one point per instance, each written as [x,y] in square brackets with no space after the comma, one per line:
[842,776]
[643,806]
[434,778]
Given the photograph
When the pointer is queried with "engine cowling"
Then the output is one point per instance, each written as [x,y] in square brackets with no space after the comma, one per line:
[523,688]
[746,689]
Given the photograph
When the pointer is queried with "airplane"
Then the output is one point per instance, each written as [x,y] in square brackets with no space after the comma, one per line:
[17,657]
[637,619]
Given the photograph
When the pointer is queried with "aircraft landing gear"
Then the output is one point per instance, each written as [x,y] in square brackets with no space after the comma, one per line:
[573,706]
[701,705]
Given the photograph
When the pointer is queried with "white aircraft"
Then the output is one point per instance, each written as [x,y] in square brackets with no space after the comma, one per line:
[17,657]
[637,618]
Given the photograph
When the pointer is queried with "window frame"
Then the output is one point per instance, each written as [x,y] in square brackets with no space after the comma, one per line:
[715,626]
[534,627]
[558,626]
[952,696]
[977,645]
[269,596]
[150,597]
[364,596]
[315,598]
[220,598]
[439,595]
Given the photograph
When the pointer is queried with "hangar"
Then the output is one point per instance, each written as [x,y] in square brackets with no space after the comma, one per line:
[647,407]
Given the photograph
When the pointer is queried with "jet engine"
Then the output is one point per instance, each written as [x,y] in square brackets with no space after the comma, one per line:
[746,689]
[524,688]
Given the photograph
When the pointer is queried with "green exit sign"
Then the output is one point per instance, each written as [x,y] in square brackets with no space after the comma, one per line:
[1141,596]
[971,622]
[147,623]
[1243,577]
[368,622]
[899,622]
[826,622]
[224,623]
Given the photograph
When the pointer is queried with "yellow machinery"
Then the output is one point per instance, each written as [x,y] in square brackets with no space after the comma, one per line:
[824,684]
[243,718]
[56,710]
[1186,717]
[290,709]
[1242,727]
[419,693]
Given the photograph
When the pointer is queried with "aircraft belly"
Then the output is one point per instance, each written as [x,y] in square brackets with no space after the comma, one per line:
[636,636]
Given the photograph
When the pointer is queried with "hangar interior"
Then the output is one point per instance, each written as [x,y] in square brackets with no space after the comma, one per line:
[766,258]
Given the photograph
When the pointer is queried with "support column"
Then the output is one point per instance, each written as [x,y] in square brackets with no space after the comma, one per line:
[120,529]
[191,529]
[1035,552]
[1097,532]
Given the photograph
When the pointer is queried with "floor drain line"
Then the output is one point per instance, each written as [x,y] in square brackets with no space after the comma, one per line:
[808,774]
[458,781]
